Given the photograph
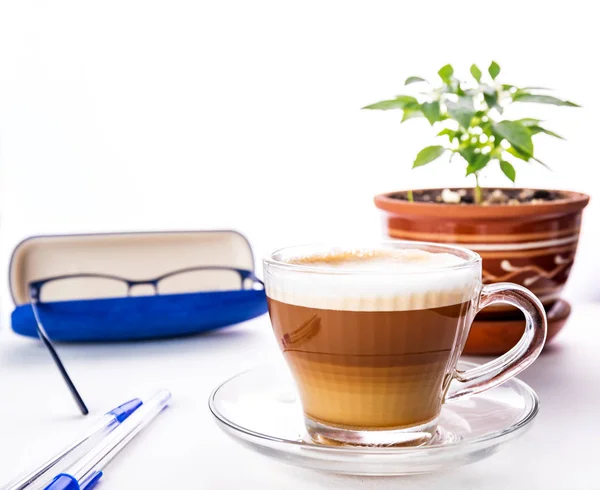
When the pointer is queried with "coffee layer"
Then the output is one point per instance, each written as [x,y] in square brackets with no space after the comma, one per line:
[374,370]
[375,280]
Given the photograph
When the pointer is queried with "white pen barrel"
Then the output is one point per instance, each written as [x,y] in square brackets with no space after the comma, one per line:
[104,425]
[90,464]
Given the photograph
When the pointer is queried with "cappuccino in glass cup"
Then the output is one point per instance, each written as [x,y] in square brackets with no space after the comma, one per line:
[372,335]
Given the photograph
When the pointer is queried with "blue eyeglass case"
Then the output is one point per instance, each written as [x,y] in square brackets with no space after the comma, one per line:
[133,256]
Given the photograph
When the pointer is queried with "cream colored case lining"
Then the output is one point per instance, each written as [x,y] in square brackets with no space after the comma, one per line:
[131,255]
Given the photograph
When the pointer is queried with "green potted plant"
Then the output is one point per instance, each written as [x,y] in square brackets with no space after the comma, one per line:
[527,236]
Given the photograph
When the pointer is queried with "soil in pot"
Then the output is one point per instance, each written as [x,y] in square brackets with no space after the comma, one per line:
[489,196]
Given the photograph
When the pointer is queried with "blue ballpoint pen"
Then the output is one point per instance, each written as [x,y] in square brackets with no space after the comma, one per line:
[103,426]
[87,471]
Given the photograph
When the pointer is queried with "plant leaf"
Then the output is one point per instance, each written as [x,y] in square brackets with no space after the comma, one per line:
[542,99]
[507,86]
[446,73]
[541,163]
[478,162]
[494,70]
[428,155]
[468,154]
[535,88]
[410,80]
[476,72]
[517,135]
[538,129]
[411,111]
[487,89]
[528,122]
[508,170]
[461,111]
[431,110]
[515,153]
[447,132]
[491,99]
[400,102]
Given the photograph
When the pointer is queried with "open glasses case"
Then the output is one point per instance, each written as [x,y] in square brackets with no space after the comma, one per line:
[151,301]
[131,286]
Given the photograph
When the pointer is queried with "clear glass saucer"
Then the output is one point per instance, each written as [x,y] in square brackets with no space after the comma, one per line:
[260,409]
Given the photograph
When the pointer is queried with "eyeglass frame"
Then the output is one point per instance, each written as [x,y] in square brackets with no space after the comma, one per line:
[35,288]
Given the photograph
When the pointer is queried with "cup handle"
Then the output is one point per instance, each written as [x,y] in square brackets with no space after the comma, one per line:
[496,372]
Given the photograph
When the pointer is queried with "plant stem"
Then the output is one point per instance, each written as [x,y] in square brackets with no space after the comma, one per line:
[409,195]
[477,193]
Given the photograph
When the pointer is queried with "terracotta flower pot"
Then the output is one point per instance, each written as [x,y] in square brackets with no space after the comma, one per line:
[532,244]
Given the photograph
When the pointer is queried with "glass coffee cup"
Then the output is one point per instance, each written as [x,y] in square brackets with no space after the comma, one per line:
[372,335]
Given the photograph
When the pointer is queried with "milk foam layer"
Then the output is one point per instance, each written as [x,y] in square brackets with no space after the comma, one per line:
[375,280]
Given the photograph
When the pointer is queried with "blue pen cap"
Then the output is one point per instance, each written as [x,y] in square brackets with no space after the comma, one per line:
[125,410]
[63,482]
[93,481]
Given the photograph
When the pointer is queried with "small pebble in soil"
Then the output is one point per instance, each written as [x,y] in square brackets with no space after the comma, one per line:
[513,202]
[526,194]
[497,197]
[462,192]
[450,197]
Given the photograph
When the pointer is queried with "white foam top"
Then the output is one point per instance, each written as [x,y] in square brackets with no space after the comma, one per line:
[384,280]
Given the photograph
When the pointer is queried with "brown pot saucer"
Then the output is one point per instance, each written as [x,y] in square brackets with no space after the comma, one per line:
[498,335]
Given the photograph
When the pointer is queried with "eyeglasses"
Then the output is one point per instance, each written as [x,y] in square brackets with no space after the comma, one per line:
[94,286]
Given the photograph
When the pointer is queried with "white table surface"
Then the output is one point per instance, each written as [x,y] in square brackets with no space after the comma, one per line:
[184,448]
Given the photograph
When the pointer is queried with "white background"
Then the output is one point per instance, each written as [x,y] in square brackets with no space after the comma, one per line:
[144,115]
